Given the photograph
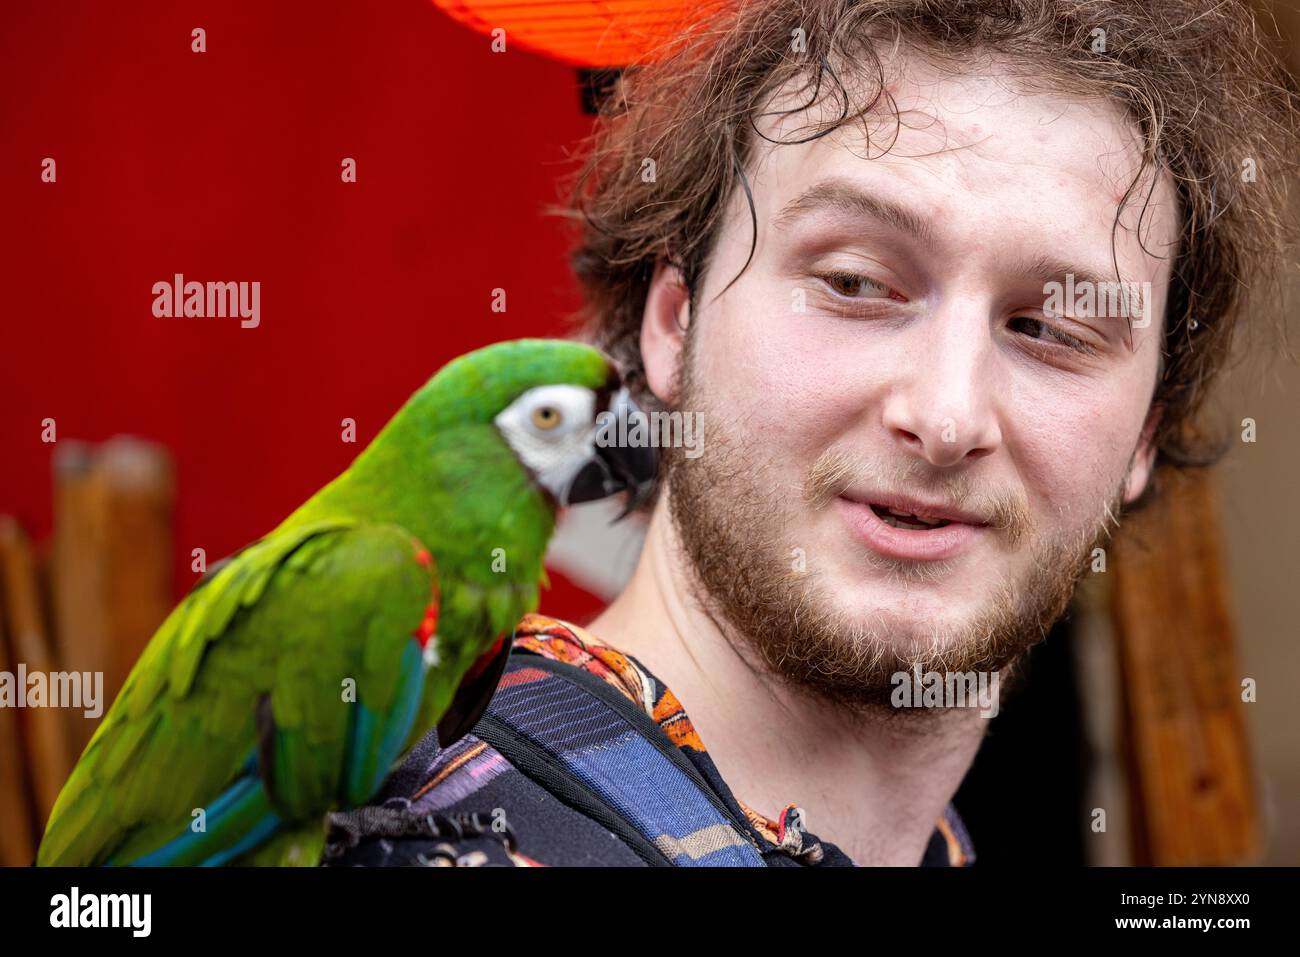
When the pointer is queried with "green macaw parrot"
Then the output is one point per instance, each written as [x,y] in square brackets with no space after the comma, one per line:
[299,670]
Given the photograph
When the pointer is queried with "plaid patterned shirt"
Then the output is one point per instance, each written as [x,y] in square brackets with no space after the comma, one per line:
[466,804]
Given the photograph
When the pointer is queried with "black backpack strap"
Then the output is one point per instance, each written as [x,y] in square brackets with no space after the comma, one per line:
[592,748]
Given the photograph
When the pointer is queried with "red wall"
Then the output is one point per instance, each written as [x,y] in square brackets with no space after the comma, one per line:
[225,166]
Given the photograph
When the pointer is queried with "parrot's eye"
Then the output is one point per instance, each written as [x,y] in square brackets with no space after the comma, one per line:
[551,429]
[547,417]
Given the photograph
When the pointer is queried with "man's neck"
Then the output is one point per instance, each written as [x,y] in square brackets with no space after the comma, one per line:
[874,788]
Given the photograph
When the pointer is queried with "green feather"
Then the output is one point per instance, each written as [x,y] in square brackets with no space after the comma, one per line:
[331,595]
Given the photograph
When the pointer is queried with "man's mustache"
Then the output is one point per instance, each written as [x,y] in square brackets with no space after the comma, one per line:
[835,472]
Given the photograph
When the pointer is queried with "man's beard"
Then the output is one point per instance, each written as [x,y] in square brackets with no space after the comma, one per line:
[744,561]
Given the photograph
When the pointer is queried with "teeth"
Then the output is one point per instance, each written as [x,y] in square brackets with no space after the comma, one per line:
[898,519]
[897,522]
[909,516]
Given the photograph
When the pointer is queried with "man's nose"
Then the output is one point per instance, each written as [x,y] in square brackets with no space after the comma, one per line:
[944,404]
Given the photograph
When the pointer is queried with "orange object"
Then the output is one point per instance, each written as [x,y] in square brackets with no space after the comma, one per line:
[598,33]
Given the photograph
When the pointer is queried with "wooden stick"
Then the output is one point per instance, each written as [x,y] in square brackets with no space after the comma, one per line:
[17,822]
[1190,765]
[44,730]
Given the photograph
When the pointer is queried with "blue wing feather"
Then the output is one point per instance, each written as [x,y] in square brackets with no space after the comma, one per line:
[375,741]
[237,821]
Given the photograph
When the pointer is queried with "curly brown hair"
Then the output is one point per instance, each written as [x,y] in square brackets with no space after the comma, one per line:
[1201,82]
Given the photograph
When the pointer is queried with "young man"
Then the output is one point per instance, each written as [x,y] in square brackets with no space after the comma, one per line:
[943,284]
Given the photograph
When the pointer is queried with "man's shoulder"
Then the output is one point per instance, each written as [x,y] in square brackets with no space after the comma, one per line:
[583,758]
[468,805]
[565,768]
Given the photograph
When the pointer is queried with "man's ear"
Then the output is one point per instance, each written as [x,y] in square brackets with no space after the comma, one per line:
[663,330]
[1144,457]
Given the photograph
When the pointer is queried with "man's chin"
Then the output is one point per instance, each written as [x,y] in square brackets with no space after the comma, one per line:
[920,619]
[908,634]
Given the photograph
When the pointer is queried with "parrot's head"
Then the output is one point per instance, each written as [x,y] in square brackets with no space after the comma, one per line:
[564,412]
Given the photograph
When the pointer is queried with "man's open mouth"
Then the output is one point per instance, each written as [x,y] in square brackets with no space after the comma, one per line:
[898,519]
[908,528]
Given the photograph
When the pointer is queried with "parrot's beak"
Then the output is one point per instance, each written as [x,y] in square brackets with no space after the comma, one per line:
[617,465]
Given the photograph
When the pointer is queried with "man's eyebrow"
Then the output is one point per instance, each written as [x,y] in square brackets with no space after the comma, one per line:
[1045,269]
[841,195]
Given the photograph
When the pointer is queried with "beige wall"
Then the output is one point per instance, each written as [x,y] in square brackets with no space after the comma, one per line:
[1259,493]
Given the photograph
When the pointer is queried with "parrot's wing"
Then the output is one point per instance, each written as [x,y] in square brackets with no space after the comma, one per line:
[283,684]
[474,693]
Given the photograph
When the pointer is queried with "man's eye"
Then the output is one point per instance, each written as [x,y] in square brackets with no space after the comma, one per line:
[852,285]
[1036,328]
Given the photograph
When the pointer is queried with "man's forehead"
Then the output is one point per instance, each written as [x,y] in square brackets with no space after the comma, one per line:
[972,156]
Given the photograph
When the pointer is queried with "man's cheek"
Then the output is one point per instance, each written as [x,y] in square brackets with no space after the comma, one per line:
[782,354]
[1069,461]
[788,407]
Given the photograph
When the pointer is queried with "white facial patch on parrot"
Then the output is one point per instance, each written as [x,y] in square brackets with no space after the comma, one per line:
[552,429]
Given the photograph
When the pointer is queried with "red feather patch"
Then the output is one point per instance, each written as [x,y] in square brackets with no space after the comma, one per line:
[429,626]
